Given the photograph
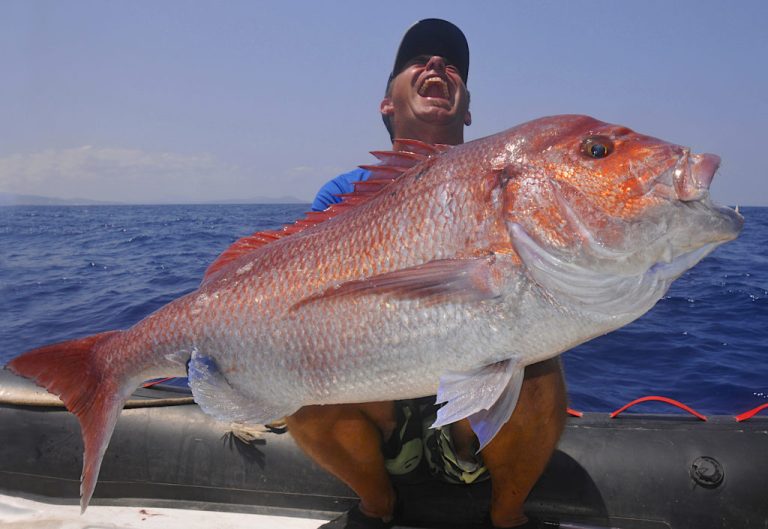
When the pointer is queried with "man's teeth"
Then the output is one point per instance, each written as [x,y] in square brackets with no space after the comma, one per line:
[434,81]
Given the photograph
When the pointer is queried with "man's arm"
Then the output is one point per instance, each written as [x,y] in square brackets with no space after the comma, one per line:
[342,184]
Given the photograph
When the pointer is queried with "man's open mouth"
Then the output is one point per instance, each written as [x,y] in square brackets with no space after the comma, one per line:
[434,87]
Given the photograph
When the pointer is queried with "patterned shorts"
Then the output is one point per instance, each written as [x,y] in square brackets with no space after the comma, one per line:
[414,440]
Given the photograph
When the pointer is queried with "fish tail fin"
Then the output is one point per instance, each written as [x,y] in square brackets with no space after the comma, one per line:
[96,397]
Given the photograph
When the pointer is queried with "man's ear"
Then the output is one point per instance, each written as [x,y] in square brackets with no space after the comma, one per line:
[386,107]
[468,115]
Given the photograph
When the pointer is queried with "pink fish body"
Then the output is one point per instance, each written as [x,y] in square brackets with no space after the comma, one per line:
[446,273]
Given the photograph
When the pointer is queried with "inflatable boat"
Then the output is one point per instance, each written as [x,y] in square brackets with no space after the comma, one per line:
[623,470]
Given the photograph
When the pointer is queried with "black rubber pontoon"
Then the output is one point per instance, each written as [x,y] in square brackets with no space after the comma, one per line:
[633,472]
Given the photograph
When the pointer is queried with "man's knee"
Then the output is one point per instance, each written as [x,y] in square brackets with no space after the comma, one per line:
[321,419]
[544,386]
[545,370]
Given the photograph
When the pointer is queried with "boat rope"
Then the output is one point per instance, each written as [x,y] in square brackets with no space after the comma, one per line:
[155,382]
[749,414]
[657,398]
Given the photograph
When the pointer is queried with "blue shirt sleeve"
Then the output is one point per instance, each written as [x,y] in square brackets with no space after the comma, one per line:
[342,184]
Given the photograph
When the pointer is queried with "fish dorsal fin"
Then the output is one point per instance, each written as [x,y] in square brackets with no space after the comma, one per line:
[419,147]
[407,154]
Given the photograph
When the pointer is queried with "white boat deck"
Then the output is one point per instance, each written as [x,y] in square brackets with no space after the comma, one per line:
[23,513]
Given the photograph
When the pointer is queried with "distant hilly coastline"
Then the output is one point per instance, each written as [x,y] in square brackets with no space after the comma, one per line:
[285,199]
[13,199]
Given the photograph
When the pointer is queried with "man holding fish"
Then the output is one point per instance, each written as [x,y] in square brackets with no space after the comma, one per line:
[427,99]
[462,271]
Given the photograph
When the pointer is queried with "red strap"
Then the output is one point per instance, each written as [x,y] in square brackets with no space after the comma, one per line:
[574,413]
[659,399]
[749,414]
[156,382]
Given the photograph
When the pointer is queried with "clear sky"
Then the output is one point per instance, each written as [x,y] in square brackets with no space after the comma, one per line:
[169,101]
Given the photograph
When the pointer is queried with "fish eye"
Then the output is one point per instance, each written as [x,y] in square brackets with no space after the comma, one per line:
[597,147]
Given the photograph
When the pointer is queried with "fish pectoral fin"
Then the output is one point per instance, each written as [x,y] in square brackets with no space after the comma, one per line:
[444,280]
[487,396]
[216,396]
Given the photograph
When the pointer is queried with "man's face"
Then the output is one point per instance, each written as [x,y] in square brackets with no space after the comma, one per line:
[427,94]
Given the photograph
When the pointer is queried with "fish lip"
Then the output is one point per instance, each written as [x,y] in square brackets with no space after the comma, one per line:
[693,174]
[688,179]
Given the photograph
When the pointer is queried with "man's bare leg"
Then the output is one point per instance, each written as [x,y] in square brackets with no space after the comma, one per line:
[345,439]
[518,454]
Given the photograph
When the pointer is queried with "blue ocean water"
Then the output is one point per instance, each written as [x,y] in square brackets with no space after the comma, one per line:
[67,272]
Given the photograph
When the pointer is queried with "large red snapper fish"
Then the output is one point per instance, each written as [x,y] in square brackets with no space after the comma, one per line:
[446,273]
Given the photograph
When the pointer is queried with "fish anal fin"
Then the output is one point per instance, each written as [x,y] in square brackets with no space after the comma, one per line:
[451,280]
[219,399]
[487,423]
[69,370]
[487,396]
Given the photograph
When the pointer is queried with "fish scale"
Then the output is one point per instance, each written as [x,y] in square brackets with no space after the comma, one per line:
[446,273]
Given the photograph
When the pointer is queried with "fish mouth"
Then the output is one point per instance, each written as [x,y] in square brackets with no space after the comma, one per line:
[688,179]
[687,183]
[434,86]
[692,177]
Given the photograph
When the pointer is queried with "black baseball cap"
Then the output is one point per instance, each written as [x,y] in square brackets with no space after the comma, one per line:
[433,36]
